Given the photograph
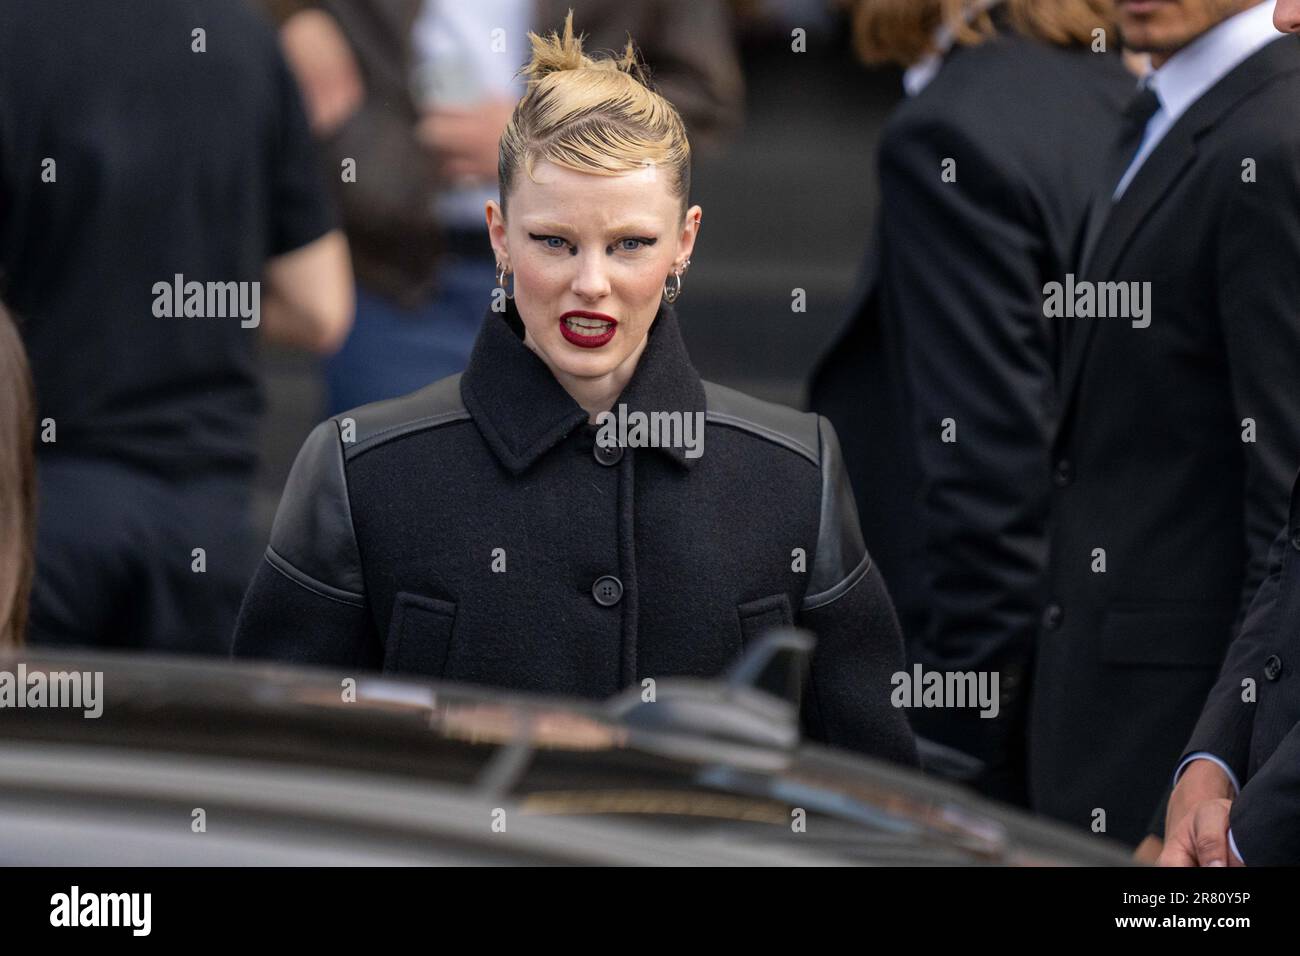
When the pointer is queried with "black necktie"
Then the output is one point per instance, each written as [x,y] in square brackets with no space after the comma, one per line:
[1132,127]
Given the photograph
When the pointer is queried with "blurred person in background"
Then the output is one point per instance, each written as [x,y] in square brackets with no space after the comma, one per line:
[160,208]
[942,383]
[17,484]
[417,94]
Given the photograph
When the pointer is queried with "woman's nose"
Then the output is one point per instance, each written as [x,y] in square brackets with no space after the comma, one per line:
[591,280]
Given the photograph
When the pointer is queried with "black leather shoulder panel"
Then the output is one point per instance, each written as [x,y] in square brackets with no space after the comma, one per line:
[372,425]
[312,540]
[779,424]
[842,560]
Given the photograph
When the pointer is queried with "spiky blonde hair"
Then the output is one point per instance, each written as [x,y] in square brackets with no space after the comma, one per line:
[594,114]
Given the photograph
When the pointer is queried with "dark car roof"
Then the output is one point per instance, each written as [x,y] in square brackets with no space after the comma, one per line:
[287,768]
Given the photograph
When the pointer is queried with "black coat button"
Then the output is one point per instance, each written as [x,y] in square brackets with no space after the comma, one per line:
[607,590]
[610,455]
[1053,616]
[1063,473]
[1273,667]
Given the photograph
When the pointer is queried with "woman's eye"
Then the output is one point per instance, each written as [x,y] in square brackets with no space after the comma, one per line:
[551,242]
[627,244]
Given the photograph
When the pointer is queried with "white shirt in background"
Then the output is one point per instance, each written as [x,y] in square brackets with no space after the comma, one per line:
[458,66]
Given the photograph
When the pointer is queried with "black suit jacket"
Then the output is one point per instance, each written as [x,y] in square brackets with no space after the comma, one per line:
[950,325]
[1152,462]
[1251,720]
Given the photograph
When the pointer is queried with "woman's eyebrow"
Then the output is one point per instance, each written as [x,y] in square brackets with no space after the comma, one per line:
[625,228]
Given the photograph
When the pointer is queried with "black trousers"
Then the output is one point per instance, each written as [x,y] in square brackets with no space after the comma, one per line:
[127,559]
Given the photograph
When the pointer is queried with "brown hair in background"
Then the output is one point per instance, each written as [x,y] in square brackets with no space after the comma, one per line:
[17,484]
[902,31]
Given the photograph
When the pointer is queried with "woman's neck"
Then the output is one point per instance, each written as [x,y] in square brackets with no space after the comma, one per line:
[595,395]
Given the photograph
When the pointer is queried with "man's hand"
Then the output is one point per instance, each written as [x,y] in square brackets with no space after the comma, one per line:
[1148,851]
[1202,838]
[466,140]
[1196,826]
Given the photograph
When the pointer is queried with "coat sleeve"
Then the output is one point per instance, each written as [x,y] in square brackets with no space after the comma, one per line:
[307,600]
[1227,721]
[859,644]
[1265,816]
[975,357]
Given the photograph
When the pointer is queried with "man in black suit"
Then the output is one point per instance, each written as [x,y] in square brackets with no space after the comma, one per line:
[941,385]
[1180,418]
[1238,792]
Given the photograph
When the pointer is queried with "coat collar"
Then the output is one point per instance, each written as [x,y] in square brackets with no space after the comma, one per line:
[523,412]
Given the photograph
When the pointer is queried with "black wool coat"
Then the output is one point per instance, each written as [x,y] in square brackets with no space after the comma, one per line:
[475,531]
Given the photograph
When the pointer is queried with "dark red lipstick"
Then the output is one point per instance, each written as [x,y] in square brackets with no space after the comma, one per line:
[587,330]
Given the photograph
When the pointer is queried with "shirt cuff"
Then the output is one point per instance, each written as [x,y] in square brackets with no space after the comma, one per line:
[1233,845]
[1203,755]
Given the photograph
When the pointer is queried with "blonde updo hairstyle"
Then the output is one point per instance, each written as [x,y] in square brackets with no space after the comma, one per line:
[593,114]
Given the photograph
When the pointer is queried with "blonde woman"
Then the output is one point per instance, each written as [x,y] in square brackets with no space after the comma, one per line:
[578,512]
[17,484]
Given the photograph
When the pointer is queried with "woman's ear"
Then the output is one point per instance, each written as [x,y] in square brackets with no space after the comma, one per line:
[690,230]
[496,224]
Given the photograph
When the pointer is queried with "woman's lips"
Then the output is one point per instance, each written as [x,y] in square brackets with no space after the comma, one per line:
[1142,7]
[587,330]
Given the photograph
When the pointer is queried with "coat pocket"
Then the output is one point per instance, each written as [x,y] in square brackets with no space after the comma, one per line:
[763,615]
[1188,635]
[758,617]
[419,635]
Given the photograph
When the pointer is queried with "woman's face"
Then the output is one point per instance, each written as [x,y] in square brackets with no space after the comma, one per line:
[589,256]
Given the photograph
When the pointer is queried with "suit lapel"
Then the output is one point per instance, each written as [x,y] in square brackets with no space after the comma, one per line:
[1162,169]
[1166,165]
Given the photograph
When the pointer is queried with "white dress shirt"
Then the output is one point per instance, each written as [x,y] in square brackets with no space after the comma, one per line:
[1190,73]
[458,66]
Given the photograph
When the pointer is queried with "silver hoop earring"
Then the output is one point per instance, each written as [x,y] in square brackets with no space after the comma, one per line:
[501,281]
[672,287]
